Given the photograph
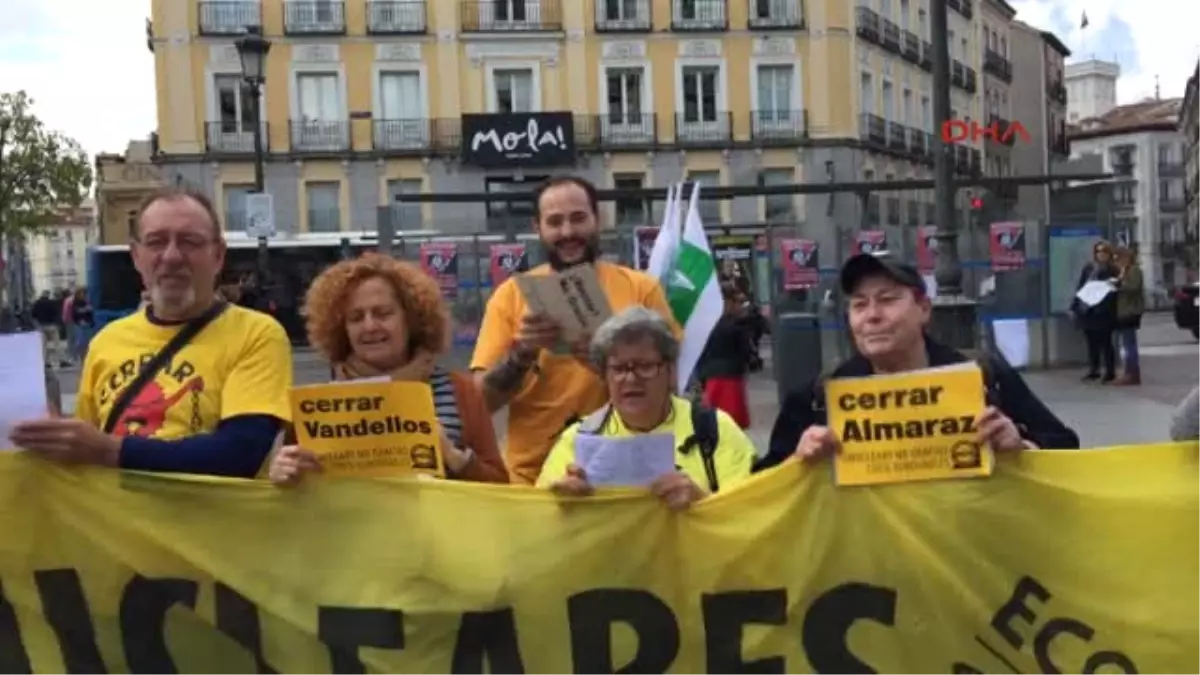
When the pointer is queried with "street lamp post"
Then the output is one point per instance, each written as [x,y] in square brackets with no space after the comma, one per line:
[252,48]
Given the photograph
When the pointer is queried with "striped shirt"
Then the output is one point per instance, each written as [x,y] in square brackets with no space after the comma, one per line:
[445,405]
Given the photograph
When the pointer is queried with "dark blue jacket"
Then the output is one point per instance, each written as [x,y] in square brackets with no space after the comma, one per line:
[1006,390]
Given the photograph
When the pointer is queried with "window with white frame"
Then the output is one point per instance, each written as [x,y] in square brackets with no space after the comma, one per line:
[866,93]
[778,208]
[324,206]
[630,212]
[622,10]
[404,215]
[888,95]
[235,206]
[625,95]
[775,91]
[512,90]
[700,93]
[906,107]
[235,105]
[321,123]
[400,122]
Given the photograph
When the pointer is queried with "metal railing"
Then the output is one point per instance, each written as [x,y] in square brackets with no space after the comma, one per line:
[623,15]
[699,15]
[771,14]
[320,17]
[995,63]
[403,134]
[228,18]
[692,132]
[778,125]
[390,17]
[625,130]
[320,135]
[233,136]
[507,16]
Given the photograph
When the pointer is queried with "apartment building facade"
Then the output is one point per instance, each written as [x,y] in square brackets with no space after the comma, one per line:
[122,182]
[368,100]
[1039,102]
[57,254]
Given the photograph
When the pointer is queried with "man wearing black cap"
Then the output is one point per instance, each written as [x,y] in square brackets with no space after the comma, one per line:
[888,310]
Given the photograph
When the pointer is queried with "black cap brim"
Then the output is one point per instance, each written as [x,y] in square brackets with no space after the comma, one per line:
[866,265]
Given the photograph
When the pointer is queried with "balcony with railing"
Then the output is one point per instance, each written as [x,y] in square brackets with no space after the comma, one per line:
[623,16]
[402,135]
[911,47]
[920,143]
[319,17]
[997,66]
[872,129]
[775,14]
[1003,128]
[396,17]
[778,127]
[319,135]
[964,7]
[1057,92]
[325,220]
[233,137]
[897,137]
[866,24]
[511,16]
[625,130]
[958,74]
[699,15]
[927,56]
[228,18]
[692,132]
[890,39]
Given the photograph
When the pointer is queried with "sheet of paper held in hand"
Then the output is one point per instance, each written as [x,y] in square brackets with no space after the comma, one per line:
[634,461]
[22,382]
[369,428]
[909,427]
[573,298]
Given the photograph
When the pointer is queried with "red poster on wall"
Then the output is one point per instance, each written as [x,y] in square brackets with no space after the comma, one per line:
[926,248]
[801,266]
[507,260]
[440,261]
[869,241]
[1007,244]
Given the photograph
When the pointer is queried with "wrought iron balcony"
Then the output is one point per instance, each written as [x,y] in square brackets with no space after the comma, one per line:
[897,136]
[971,85]
[927,56]
[696,132]
[891,36]
[920,143]
[872,129]
[325,220]
[699,15]
[958,74]
[967,8]
[402,134]
[996,65]
[911,49]
[778,126]
[396,17]
[320,135]
[1058,92]
[228,18]
[511,16]
[320,17]
[866,24]
[625,130]
[1002,127]
[775,14]
[233,137]
[617,16]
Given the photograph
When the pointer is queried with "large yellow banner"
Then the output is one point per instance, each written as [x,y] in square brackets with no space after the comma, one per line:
[1059,562]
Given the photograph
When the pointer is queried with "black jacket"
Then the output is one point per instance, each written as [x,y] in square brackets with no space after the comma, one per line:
[729,350]
[1102,316]
[1006,390]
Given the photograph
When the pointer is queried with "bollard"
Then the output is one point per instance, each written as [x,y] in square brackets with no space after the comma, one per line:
[796,344]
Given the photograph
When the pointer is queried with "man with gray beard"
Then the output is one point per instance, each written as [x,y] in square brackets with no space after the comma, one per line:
[188,383]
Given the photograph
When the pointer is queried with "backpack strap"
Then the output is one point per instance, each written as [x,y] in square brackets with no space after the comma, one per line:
[706,437]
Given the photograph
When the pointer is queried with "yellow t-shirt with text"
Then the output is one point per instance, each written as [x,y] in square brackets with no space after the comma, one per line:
[733,459]
[240,364]
[561,388]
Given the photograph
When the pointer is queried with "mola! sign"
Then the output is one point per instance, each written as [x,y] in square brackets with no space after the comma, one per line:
[518,139]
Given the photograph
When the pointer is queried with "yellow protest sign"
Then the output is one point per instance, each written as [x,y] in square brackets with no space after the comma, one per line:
[369,428]
[1040,569]
[908,427]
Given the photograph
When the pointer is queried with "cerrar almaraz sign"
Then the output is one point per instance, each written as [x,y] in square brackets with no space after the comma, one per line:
[518,139]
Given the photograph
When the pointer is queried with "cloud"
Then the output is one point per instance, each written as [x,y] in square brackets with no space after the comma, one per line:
[85,64]
[1147,38]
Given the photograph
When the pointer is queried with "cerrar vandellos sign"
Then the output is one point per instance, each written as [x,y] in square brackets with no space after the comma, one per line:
[518,139]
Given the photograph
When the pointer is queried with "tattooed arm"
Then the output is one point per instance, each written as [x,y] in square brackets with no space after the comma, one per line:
[502,381]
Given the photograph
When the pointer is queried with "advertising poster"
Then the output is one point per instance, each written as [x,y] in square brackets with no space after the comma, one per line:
[643,243]
[734,256]
[507,260]
[800,264]
[440,261]
[1006,241]
[926,248]
[869,241]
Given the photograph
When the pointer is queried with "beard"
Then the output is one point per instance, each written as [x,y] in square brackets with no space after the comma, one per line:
[173,300]
[591,252]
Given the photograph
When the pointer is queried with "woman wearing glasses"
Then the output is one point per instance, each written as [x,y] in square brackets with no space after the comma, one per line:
[635,351]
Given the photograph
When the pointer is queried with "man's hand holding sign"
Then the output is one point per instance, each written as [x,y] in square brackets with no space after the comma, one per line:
[922,425]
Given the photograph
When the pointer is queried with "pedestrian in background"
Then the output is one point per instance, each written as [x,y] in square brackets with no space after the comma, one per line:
[375,316]
[726,359]
[1098,321]
[1131,304]
[83,318]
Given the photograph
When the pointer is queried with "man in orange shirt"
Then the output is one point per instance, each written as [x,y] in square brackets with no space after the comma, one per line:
[513,361]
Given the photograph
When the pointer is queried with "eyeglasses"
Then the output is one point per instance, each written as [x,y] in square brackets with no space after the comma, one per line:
[185,244]
[640,370]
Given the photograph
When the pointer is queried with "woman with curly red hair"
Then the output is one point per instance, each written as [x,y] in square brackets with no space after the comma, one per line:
[375,316]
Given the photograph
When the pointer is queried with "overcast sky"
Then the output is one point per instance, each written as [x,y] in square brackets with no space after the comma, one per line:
[86,64]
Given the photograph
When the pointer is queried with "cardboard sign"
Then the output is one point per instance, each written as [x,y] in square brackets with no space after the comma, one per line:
[369,428]
[573,298]
[909,427]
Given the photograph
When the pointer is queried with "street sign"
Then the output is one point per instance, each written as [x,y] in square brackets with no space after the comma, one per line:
[260,215]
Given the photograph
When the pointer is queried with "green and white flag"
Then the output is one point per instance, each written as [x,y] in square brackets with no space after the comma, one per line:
[689,276]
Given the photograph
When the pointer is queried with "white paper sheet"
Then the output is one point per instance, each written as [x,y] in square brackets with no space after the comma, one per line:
[22,382]
[1093,292]
[634,461]
[1012,339]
